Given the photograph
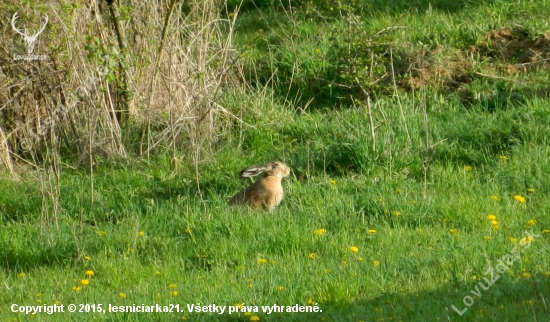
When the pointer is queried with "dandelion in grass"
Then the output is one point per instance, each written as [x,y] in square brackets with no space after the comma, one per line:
[254,318]
[101,233]
[376,263]
[453,231]
[187,231]
[262,260]
[311,256]
[530,190]
[397,213]
[501,307]
[513,239]
[85,282]
[354,249]
[474,277]
[526,240]
[317,50]
[320,231]
[238,306]
[495,225]
[360,259]
[174,293]
[248,314]
[173,285]
[525,275]
[281,288]
[547,274]
[531,222]
[89,273]
[528,302]
[468,168]
[87,258]
[503,158]
[398,191]
[122,295]
[76,288]
[372,231]
[487,237]
[140,234]
[491,217]
[332,182]
[310,301]
[519,199]
[22,275]
[157,273]
[545,231]
[494,197]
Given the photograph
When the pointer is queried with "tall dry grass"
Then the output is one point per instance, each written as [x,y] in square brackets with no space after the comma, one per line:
[118,77]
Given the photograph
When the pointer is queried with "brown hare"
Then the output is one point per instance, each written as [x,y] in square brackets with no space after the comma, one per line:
[266,193]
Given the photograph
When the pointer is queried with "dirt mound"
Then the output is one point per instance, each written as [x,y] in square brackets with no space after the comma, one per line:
[516,46]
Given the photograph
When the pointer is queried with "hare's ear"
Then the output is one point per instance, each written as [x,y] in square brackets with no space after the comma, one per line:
[255,170]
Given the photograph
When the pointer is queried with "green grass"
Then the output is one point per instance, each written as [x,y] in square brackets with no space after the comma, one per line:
[390,251]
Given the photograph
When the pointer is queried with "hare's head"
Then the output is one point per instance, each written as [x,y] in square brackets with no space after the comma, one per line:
[276,168]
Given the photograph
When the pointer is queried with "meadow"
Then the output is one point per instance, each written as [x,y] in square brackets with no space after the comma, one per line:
[418,137]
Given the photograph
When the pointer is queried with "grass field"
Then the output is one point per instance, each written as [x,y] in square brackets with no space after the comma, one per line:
[439,214]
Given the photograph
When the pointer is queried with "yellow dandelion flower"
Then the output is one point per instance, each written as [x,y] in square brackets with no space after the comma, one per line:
[487,237]
[39,301]
[360,259]
[85,282]
[376,263]
[491,217]
[526,275]
[280,288]
[372,231]
[354,249]
[494,197]
[513,239]
[528,302]
[397,213]
[262,260]
[101,233]
[173,285]
[480,311]
[254,318]
[157,273]
[310,301]
[89,273]
[526,240]
[545,231]
[398,191]
[503,157]
[494,222]
[332,182]
[76,288]
[174,293]
[519,199]
[452,231]
[238,306]
[531,222]
[140,234]
[474,277]
[530,190]
[317,50]
[87,258]
[21,275]
[248,314]
[547,274]
[320,231]
[311,256]
[468,168]
[122,295]
[187,231]
[501,307]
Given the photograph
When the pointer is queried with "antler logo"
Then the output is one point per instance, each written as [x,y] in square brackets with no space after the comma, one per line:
[30,40]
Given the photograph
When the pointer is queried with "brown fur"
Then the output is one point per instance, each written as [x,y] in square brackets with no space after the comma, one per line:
[266,193]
